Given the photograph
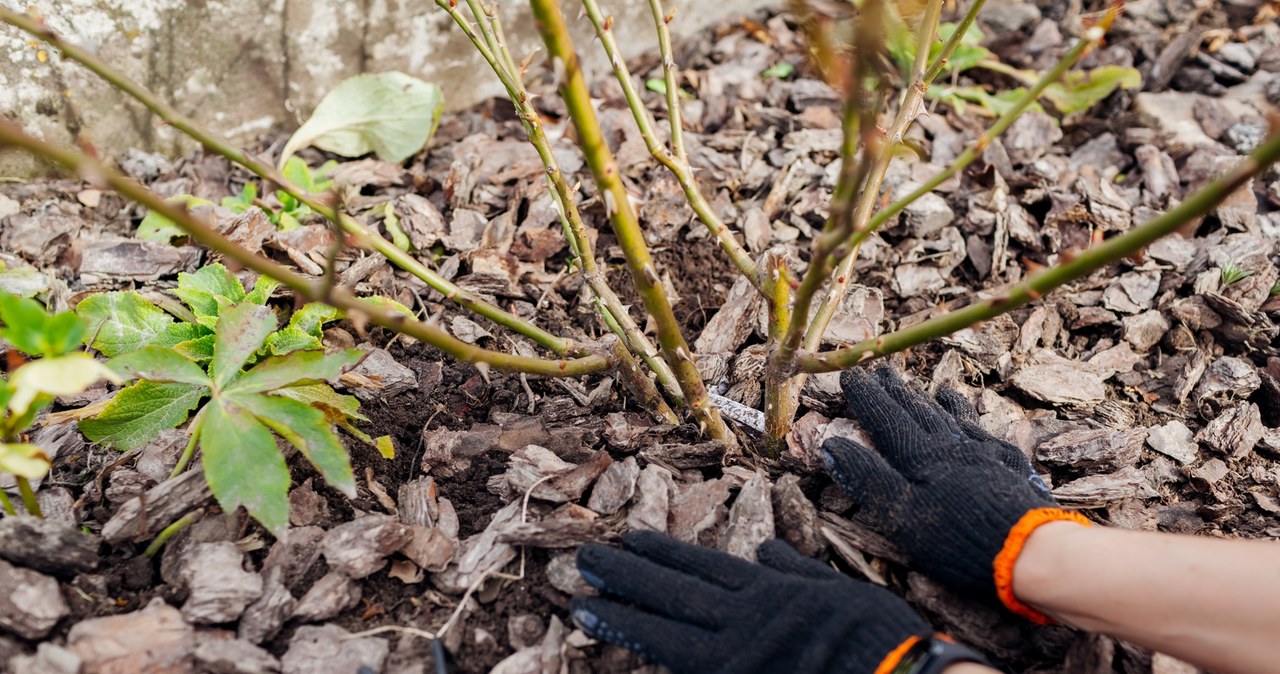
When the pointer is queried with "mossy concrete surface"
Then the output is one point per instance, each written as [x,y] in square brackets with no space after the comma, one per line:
[243,67]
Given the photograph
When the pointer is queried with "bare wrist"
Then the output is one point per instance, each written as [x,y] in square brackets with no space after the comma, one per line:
[1043,564]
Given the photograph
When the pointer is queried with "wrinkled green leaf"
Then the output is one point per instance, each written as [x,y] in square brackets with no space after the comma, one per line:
[55,376]
[290,339]
[241,331]
[301,175]
[156,227]
[140,411]
[390,114]
[298,367]
[1080,90]
[780,70]
[202,289]
[181,332]
[306,428]
[24,460]
[243,465]
[155,363]
[336,405]
[23,282]
[312,317]
[262,289]
[34,332]
[199,349]
[123,321]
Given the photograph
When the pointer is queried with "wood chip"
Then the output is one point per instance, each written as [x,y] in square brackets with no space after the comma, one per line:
[329,649]
[48,546]
[750,519]
[331,595]
[1234,432]
[615,487]
[30,603]
[140,518]
[360,547]
[154,639]
[1093,450]
[219,589]
[567,482]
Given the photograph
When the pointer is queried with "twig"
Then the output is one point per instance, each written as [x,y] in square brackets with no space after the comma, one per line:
[675,160]
[1073,267]
[622,216]
[362,235]
[612,311]
[97,172]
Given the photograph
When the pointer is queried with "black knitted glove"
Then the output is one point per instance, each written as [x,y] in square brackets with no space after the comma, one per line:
[957,501]
[702,611]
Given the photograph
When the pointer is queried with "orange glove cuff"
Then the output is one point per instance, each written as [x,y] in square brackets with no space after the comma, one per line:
[1013,545]
[894,657]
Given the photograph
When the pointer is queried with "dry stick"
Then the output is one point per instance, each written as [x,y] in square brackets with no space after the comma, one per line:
[611,309]
[1074,267]
[363,235]
[97,172]
[622,216]
[675,159]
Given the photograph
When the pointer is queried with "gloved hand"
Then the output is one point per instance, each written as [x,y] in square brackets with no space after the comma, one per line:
[958,502]
[703,611]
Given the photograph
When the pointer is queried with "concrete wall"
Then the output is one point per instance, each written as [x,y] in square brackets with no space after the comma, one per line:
[242,67]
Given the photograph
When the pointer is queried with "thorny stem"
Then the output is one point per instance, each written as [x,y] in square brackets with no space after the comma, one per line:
[957,36]
[843,272]
[28,497]
[669,71]
[169,531]
[622,216]
[675,159]
[358,309]
[363,235]
[1073,267]
[617,318]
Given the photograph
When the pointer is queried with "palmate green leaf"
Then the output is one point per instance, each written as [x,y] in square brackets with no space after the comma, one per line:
[262,289]
[243,466]
[156,227]
[155,363]
[123,321]
[140,411]
[55,376]
[241,331]
[24,460]
[968,53]
[34,332]
[336,406]
[312,317]
[199,349]
[202,288]
[390,114]
[298,367]
[308,429]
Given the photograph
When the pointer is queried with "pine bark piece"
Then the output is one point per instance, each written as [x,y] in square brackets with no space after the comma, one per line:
[331,595]
[533,463]
[750,519]
[360,547]
[329,649]
[154,640]
[1054,379]
[683,457]
[1234,432]
[697,507]
[1174,440]
[142,517]
[1095,450]
[264,618]
[615,487]
[30,602]
[48,546]
[219,652]
[795,517]
[653,500]
[219,589]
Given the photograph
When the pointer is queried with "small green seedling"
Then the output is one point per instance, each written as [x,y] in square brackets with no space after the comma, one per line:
[225,347]
[1232,273]
[780,70]
[58,368]
[1275,289]
[292,213]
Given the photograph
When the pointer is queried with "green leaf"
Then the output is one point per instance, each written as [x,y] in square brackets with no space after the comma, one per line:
[123,321]
[390,114]
[392,223]
[780,70]
[322,396]
[201,289]
[298,367]
[156,227]
[182,332]
[967,54]
[656,84]
[243,465]
[139,412]
[24,460]
[199,349]
[55,376]
[385,447]
[287,222]
[155,363]
[312,317]
[1080,90]
[34,332]
[243,202]
[308,429]
[262,289]
[24,282]
[241,331]
[291,339]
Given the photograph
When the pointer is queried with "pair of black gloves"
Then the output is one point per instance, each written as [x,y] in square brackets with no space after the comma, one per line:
[957,502]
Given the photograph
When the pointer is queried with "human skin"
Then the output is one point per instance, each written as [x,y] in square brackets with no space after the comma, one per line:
[1214,603]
